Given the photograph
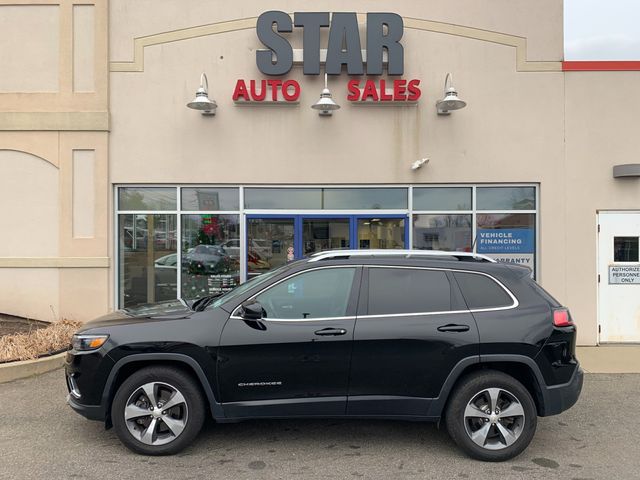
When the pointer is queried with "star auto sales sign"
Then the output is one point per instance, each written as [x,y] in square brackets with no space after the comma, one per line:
[383,32]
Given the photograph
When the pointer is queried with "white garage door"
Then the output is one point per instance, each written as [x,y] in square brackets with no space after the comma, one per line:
[619,276]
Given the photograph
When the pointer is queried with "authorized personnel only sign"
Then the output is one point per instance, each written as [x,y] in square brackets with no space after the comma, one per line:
[624,274]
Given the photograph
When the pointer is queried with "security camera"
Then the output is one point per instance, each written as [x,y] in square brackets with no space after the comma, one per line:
[419,163]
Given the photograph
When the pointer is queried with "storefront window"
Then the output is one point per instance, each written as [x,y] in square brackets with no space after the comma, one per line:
[270,244]
[148,258]
[210,254]
[151,198]
[208,199]
[507,237]
[506,198]
[442,232]
[213,257]
[364,198]
[442,198]
[283,198]
[326,198]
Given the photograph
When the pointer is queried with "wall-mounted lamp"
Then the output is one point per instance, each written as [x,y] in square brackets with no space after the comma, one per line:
[202,102]
[419,163]
[326,104]
[450,100]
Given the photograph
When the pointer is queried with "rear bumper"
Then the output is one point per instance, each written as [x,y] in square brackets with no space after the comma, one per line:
[559,398]
[92,412]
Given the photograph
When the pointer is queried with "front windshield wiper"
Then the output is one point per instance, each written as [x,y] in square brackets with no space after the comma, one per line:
[202,303]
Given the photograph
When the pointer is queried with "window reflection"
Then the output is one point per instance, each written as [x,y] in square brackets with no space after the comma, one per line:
[210,254]
[148,258]
[210,199]
[326,198]
[270,243]
[506,198]
[364,198]
[442,232]
[150,198]
[442,198]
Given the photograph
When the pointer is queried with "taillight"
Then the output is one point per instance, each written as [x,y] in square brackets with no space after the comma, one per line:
[561,318]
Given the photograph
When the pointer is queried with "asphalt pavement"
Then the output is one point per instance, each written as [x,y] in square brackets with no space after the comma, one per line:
[42,438]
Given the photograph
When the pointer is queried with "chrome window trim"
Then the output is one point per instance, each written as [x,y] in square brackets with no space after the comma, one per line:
[416,314]
[319,319]
[515,303]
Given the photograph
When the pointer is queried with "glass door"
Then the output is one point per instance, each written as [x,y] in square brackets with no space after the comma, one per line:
[381,232]
[273,240]
[323,233]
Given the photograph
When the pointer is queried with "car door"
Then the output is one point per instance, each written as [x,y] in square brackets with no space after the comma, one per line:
[412,329]
[295,359]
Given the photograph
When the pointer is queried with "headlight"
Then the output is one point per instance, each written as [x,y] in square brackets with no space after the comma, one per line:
[85,343]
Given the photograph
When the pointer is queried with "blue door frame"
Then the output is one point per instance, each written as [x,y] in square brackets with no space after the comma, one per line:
[353,227]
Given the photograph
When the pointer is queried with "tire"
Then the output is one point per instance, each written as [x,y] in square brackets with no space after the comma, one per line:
[491,437]
[158,431]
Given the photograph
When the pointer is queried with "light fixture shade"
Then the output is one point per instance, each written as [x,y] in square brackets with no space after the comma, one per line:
[325,104]
[451,101]
[202,101]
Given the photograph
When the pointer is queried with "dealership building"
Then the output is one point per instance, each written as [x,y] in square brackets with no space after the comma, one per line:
[118,187]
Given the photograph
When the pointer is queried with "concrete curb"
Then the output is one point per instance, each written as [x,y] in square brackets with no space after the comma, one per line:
[27,368]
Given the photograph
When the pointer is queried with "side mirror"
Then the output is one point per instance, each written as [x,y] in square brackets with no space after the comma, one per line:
[252,311]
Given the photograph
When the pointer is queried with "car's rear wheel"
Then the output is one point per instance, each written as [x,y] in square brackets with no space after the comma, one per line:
[491,416]
[158,411]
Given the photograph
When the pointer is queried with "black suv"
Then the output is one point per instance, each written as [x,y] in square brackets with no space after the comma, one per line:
[413,335]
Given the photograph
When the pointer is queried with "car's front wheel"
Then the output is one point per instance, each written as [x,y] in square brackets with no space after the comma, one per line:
[158,411]
[491,416]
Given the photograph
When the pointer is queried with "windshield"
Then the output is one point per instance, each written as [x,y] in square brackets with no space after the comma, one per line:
[255,281]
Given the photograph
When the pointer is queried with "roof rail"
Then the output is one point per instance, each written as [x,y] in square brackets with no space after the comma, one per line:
[328,254]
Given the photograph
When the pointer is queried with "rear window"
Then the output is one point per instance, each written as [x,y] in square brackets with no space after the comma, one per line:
[480,291]
[407,290]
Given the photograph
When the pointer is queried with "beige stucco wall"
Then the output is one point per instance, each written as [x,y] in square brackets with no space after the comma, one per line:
[600,133]
[53,104]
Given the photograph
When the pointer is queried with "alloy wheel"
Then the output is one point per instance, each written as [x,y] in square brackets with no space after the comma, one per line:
[494,418]
[156,413]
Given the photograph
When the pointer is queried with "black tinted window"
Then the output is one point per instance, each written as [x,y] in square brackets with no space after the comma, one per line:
[482,292]
[314,294]
[407,290]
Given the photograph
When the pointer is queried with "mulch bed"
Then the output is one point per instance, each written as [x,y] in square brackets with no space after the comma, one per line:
[10,324]
[26,339]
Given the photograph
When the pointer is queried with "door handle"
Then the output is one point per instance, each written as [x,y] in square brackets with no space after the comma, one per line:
[452,327]
[330,332]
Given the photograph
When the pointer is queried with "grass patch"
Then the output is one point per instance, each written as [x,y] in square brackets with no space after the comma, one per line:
[30,345]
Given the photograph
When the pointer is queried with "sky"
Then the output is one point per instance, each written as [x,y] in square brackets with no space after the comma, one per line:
[602,29]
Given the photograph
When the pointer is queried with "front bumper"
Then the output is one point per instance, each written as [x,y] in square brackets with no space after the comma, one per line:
[92,412]
[559,398]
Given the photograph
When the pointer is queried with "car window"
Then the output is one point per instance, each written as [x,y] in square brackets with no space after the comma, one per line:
[314,294]
[408,290]
[248,285]
[480,291]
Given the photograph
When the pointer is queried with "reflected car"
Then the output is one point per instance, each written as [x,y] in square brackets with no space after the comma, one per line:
[208,260]
[258,248]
